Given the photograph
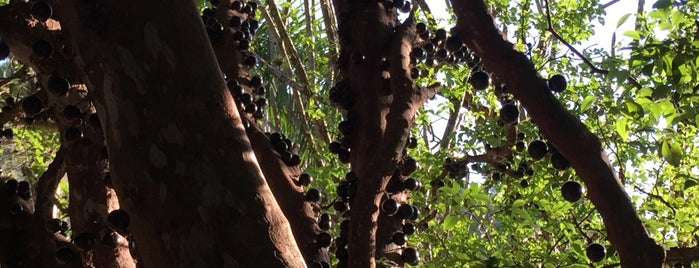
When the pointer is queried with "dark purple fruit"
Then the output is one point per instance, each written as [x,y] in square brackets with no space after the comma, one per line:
[53,225]
[72,112]
[72,134]
[571,191]
[335,147]
[418,53]
[344,156]
[16,209]
[324,222]
[256,81]
[250,61]
[42,49]
[409,166]
[65,255]
[440,34]
[58,85]
[305,179]
[11,186]
[509,113]
[399,238]
[558,161]
[85,240]
[537,149]
[24,190]
[412,184]
[520,146]
[421,27]
[595,252]
[32,105]
[340,206]
[4,51]
[479,80]
[250,107]
[323,239]
[119,221]
[237,5]
[390,207]
[341,253]
[410,255]
[41,11]
[405,211]
[557,83]
[313,195]
[408,228]
[453,43]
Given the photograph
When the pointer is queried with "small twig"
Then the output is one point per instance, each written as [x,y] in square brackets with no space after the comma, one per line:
[575,51]
[608,4]
[660,198]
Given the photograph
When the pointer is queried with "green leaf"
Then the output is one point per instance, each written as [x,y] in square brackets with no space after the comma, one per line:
[587,102]
[622,129]
[450,221]
[518,203]
[622,19]
[633,34]
[671,152]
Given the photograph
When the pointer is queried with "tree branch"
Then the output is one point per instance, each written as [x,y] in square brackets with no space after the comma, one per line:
[566,132]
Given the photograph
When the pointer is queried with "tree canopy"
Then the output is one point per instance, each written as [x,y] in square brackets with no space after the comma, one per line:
[486,134]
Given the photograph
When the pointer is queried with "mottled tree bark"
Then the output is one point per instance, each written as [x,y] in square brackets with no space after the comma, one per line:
[180,161]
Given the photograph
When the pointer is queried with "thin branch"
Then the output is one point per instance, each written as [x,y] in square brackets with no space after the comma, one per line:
[655,196]
[608,4]
[560,38]
[274,18]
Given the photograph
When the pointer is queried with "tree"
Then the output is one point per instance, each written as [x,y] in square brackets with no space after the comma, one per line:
[162,105]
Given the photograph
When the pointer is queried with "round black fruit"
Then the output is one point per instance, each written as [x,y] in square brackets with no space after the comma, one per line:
[65,255]
[323,239]
[390,206]
[453,43]
[324,222]
[24,189]
[408,228]
[42,49]
[305,179]
[72,112]
[313,195]
[557,83]
[537,149]
[72,134]
[32,105]
[412,184]
[53,225]
[11,186]
[410,255]
[509,113]
[479,80]
[41,10]
[405,211]
[595,252]
[58,85]
[119,220]
[84,241]
[399,238]
[571,191]
[340,206]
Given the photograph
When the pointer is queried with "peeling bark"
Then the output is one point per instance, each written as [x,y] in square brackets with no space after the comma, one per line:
[582,148]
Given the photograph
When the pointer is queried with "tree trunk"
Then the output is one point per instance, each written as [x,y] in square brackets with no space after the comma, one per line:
[579,146]
[180,161]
